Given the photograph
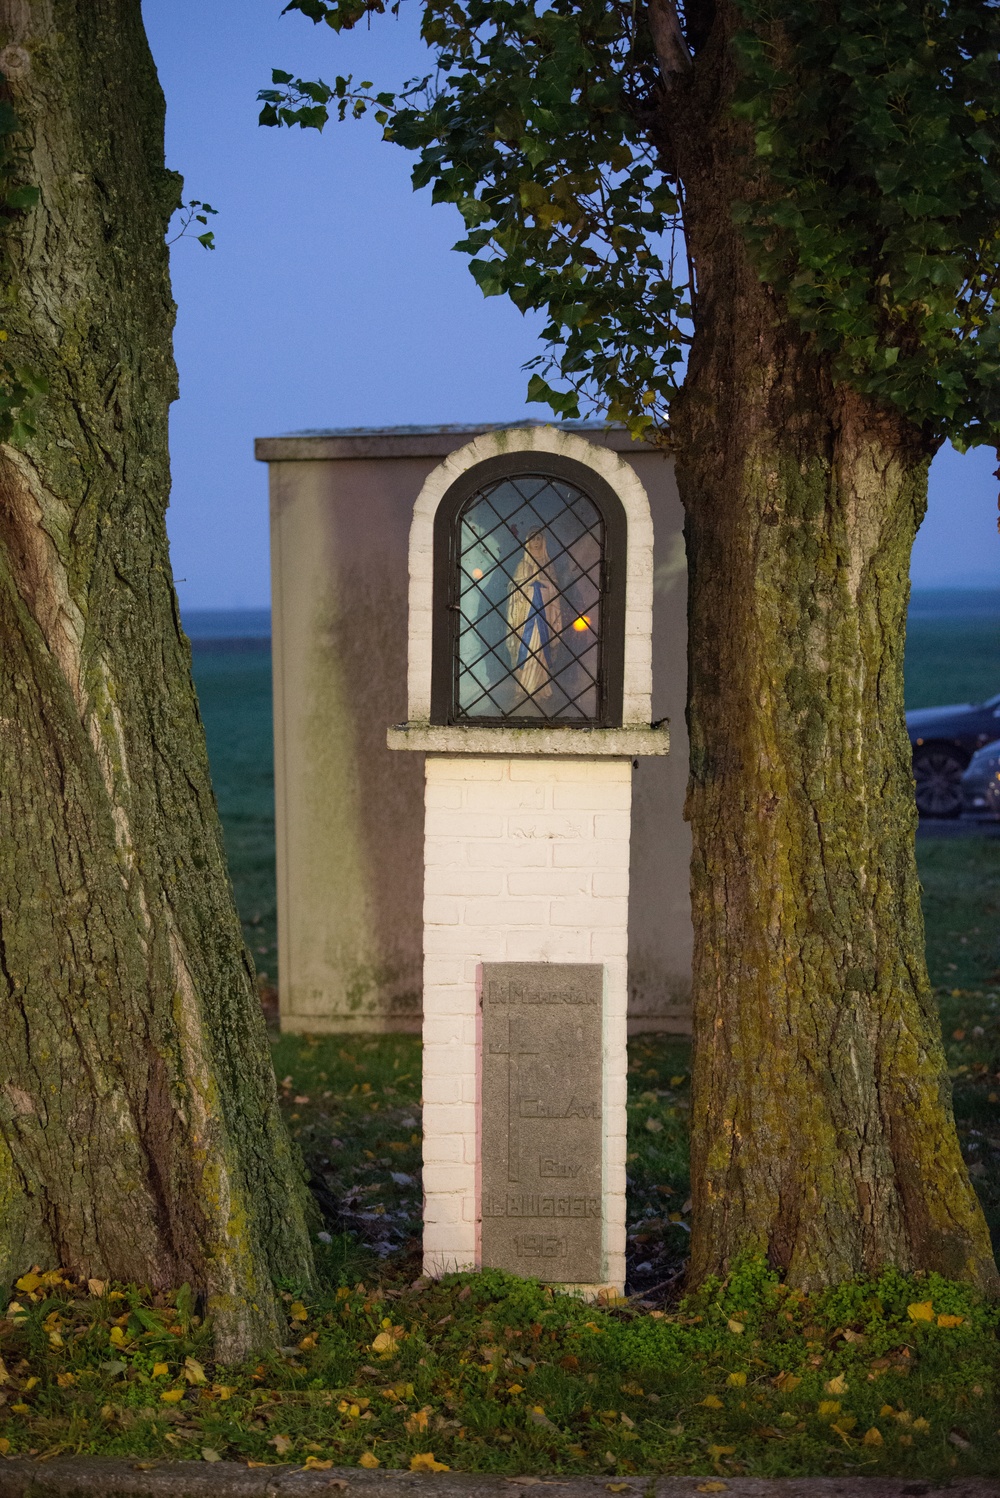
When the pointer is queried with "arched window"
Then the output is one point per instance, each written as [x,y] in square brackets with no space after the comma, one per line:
[529,596]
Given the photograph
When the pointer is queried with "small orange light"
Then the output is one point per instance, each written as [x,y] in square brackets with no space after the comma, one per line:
[582,623]
[477,573]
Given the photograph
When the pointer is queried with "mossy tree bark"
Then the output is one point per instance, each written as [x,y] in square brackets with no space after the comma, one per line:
[140,1137]
[823,1133]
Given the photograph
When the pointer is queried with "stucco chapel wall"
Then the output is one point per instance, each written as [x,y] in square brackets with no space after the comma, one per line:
[349,812]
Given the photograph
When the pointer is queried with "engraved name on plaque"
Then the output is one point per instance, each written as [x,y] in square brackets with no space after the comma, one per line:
[542,1186]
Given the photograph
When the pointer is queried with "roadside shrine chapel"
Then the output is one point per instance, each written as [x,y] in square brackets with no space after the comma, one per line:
[478,638]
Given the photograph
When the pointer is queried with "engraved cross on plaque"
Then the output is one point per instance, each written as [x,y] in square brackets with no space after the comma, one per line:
[504,1046]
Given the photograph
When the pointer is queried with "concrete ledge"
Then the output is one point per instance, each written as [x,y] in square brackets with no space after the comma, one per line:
[99,1477]
[586,743]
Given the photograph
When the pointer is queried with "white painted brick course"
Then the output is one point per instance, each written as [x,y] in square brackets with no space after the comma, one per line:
[440,910]
[506,913]
[521,853]
[444,796]
[540,945]
[443,1149]
[552,882]
[575,795]
[612,942]
[490,795]
[448,879]
[601,853]
[522,872]
[461,826]
[550,827]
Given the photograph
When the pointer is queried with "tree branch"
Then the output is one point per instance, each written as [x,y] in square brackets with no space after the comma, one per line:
[672,50]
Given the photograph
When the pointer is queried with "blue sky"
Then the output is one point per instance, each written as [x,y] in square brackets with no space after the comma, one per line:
[333,298]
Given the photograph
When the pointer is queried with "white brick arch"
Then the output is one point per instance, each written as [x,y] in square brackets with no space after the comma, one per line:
[622,478]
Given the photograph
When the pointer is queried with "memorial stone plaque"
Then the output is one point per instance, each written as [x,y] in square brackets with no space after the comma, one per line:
[542,1147]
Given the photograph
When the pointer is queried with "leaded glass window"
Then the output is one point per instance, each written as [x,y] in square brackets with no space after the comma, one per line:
[528,601]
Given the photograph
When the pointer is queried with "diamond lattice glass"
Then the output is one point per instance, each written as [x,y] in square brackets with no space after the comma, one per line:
[530,577]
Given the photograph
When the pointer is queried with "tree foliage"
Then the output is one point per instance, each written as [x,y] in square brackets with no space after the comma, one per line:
[874,127]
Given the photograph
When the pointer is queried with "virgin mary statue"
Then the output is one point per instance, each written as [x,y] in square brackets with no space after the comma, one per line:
[534,618]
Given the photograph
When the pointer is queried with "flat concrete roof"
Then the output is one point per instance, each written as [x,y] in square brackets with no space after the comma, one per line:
[416,441]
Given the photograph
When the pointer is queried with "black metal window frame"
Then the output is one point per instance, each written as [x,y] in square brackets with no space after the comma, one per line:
[446,608]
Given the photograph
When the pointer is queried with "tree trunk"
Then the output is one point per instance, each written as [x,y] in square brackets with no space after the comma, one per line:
[140,1137]
[822,1127]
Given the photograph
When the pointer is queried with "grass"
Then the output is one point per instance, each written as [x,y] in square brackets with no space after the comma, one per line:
[486,1373]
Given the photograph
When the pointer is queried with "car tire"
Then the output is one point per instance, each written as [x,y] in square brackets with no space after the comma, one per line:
[938,773]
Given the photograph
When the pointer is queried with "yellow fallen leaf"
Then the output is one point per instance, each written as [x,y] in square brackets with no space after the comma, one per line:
[654,1125]
[65,1379]
[172,1396]
[209,1454]
[786,1382]
[4,1445]
[29,1283]
[872,1437]
[716,1451]
[223,1391]
[737,1380]
[160,1369]
[920,1310]
[20,1409]
[950,1320]
[837,1385]
[313,1464]
[117,1336]
[616,1487]
[308,1343]
[735,1327]
[369,1459]
[298,1311]
[921,1424]
[281,1444]
[97,1287]
[827,1408]
[424,1462]
[887,1412]
[712,1487]
[385,1342]
[193,1371]
[31,1383]
[845,1423]
[712,1402]
[4,1375]
[418,1420]
[515,1388]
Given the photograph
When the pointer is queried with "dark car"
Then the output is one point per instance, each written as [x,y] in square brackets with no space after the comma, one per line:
[944,740]
[981,784]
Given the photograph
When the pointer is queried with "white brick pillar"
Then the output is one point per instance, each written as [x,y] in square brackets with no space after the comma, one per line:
[526,860]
